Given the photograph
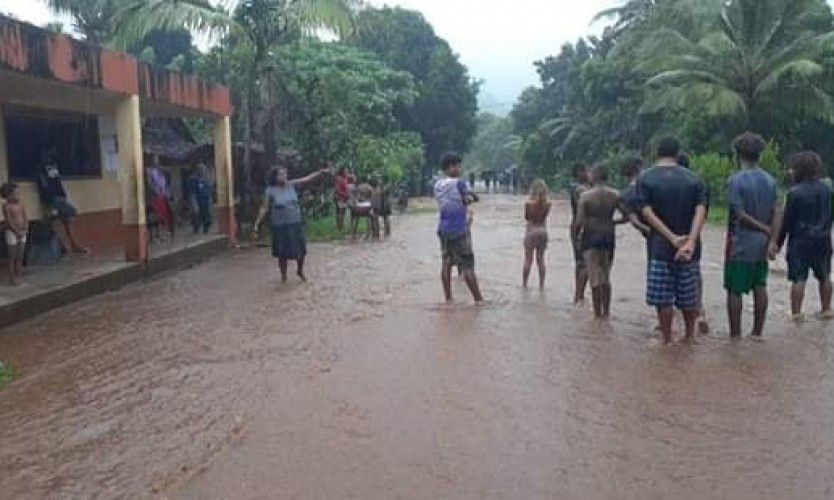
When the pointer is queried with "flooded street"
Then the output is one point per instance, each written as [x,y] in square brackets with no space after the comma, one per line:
[219,382]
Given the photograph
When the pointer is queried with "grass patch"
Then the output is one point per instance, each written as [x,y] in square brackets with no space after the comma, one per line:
[323,229]
[6,374]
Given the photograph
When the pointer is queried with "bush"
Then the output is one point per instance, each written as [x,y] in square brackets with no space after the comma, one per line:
[5,374]
[714,169]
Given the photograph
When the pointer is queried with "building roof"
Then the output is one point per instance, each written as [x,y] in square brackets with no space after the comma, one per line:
[35,52]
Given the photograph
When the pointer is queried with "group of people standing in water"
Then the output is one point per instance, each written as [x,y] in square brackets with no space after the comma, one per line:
[668,204]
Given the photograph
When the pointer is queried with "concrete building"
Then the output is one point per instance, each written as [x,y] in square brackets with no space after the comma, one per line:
[87,104]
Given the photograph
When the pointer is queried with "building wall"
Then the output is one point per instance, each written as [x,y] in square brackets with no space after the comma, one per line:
[98,201]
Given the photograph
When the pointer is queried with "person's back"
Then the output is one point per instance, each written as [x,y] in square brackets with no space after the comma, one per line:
[449,193]
[536,212]
[754,192]
[674,194]
[597,207]
[809,217]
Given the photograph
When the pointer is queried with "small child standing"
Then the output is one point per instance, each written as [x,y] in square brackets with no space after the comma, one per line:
[16,232]
[453,195]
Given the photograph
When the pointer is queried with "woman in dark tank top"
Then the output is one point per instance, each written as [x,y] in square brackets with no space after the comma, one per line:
[536,210]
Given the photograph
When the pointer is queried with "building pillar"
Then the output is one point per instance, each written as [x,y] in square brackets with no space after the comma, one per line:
[224,176]
[132,179]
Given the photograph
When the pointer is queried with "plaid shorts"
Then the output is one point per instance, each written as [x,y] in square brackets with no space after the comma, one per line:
[673,284]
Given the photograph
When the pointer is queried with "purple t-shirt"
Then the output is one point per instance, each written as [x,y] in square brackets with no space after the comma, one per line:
[450,194]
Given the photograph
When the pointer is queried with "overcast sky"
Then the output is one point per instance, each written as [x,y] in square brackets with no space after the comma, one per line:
[498,41]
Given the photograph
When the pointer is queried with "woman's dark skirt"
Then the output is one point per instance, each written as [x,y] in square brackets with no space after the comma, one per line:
[289,241]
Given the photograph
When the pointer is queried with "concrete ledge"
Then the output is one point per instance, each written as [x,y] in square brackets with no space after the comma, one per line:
[108,281]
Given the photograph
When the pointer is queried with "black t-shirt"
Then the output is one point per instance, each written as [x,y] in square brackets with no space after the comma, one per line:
[50,184]
[808,218]
[674,193]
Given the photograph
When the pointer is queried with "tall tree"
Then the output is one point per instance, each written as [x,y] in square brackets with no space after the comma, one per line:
[445,112]
[760,65]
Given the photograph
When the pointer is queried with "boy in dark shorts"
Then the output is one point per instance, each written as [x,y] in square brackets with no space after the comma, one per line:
[580,184]
[453,195]
[672,201]
[597,234]
[807,229]
[754,212]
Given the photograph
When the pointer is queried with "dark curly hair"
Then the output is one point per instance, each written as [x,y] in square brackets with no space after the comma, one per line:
[806,166]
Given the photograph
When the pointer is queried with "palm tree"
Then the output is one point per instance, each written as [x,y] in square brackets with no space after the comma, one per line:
[92,19]
[762,63]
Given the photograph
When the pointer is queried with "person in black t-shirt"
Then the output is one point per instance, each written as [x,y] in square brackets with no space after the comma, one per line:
[807,226]
[51,187]
[672,201]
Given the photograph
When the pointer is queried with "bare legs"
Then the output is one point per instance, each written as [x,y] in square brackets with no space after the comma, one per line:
[468,276]
[283,266]
[762,302]
[528,265]
[664,317]
[541,265]
[66,234]
[798,297]
[16,264]
[581,278]
[734,307]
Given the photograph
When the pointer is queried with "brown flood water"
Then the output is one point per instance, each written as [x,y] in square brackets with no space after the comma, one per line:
[219,382]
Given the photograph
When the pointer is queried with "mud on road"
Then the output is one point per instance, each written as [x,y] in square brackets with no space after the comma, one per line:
[219,382]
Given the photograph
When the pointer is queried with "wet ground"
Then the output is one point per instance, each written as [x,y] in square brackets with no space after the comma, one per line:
[219,382]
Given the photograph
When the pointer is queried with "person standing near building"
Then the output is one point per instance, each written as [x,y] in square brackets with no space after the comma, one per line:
[754,215]
[807,229]
[51,188]
[579,185]
[289,236]
[201,198]
[672,200]
[160,196]
[17,230]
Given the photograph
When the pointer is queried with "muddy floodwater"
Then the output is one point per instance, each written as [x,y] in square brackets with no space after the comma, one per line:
[220,383]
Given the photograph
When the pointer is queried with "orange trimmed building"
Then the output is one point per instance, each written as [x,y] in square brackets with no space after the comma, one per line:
[88,104]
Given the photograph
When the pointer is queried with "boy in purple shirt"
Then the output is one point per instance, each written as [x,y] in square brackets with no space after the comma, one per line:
[453,195]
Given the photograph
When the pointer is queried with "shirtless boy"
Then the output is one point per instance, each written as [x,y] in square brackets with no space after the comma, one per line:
[18,227]
[596,224]
[579,185]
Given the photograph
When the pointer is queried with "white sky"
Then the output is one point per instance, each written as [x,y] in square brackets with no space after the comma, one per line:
[498,41]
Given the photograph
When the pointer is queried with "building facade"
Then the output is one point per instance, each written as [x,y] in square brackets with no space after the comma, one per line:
[84,106]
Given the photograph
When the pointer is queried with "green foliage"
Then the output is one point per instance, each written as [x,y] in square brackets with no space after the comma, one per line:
[6,374]
[393,158]
[715,169]
[494,147]
[703,70]
[339,102]
[444,112]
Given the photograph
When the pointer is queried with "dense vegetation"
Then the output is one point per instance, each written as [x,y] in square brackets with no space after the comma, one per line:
[704,70]
[385,98]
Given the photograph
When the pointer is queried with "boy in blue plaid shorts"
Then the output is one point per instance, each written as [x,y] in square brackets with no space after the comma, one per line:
[672,200]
